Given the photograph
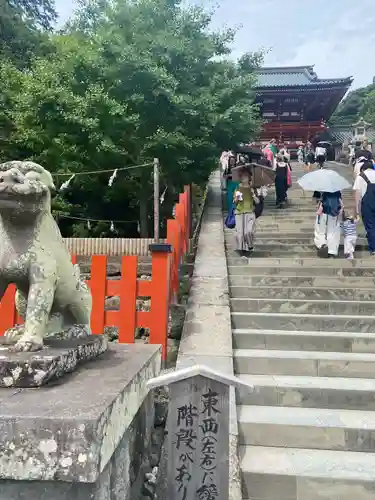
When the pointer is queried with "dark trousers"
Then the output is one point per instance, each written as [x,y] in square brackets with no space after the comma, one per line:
[368,217]
[321,159]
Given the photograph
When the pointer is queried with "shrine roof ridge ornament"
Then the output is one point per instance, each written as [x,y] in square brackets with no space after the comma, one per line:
[295,76]
[173,376]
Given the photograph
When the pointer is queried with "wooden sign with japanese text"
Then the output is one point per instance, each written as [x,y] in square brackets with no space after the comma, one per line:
[198,440]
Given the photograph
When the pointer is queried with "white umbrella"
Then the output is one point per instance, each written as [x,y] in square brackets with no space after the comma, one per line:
[327,181]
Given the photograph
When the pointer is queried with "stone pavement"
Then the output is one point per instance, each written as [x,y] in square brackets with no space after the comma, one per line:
[303,335]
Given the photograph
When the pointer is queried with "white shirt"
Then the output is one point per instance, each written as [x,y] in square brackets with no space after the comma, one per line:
[361,185]
[320,151]
[357,166]
[224,158]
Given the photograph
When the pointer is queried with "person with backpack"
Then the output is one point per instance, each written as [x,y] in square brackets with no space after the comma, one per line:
[364,187]
[327,225]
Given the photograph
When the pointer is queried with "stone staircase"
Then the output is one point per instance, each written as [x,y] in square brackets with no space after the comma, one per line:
[304,336]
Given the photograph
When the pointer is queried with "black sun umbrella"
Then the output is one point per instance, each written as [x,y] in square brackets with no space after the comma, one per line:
[326,144]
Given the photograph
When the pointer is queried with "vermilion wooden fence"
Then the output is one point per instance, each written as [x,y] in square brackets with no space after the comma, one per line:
[162,288]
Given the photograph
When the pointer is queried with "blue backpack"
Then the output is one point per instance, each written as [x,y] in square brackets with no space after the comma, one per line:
[230,220]
[332,204]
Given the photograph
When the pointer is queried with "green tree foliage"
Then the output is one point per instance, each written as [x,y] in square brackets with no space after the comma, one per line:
[21,25]
[353,107]
[130,80]
[370,107]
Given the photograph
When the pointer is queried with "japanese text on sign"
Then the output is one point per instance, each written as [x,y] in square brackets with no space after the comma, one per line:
[209,427]
[186,437]
[196,441]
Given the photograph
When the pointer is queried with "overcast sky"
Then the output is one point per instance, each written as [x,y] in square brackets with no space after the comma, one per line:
[334,35]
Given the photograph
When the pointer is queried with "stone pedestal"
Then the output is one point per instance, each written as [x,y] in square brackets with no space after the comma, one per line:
[55,360]
[84,438]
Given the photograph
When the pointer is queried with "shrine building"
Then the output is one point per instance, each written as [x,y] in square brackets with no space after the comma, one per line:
[295,103]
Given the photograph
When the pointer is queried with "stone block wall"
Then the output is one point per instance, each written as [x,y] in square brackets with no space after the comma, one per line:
[87,438]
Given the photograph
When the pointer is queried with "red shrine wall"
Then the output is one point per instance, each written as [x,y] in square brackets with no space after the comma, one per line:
[292,134]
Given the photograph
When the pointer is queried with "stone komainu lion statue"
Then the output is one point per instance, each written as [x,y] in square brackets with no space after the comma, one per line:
[50,294]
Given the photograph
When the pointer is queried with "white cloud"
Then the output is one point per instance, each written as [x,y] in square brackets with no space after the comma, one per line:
[340,48]
[334,35]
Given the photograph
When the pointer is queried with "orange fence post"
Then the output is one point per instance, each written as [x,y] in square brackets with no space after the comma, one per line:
[128,300]
[183,201]
[173,238]
[160,294]
[98,285]
[187,190]
[180,217]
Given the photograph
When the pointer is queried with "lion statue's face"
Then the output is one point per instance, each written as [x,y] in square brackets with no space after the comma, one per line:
[25,186]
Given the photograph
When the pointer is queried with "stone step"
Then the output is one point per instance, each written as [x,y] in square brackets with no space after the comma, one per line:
[314,262]
[301,198]
[298,205]
[233,259]
[292,235]
[277,228]
[275,252]
[304,474]
[314,428]
[325,281]
[268,225]
[247,338]
[298,202]
[283,228]
[306,240]
[250,268]
[301,306]
[309,392]
[287,216]
[293,322]
[296,247]
[300,212]
[307,293]
[291,248]
[307,363]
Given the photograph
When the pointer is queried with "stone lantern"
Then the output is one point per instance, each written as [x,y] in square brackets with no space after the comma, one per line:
[360,130]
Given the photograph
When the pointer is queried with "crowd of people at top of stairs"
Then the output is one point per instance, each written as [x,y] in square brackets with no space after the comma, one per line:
[245,204]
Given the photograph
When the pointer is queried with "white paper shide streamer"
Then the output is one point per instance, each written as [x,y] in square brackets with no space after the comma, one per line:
[112,228]
[112,178]
[162,197]
[66,184]
[88,225]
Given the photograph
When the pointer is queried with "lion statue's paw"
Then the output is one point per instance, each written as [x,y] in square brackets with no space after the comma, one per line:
[28,344]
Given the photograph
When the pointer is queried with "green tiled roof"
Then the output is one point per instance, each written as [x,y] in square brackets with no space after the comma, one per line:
[341,134]
[294,76]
